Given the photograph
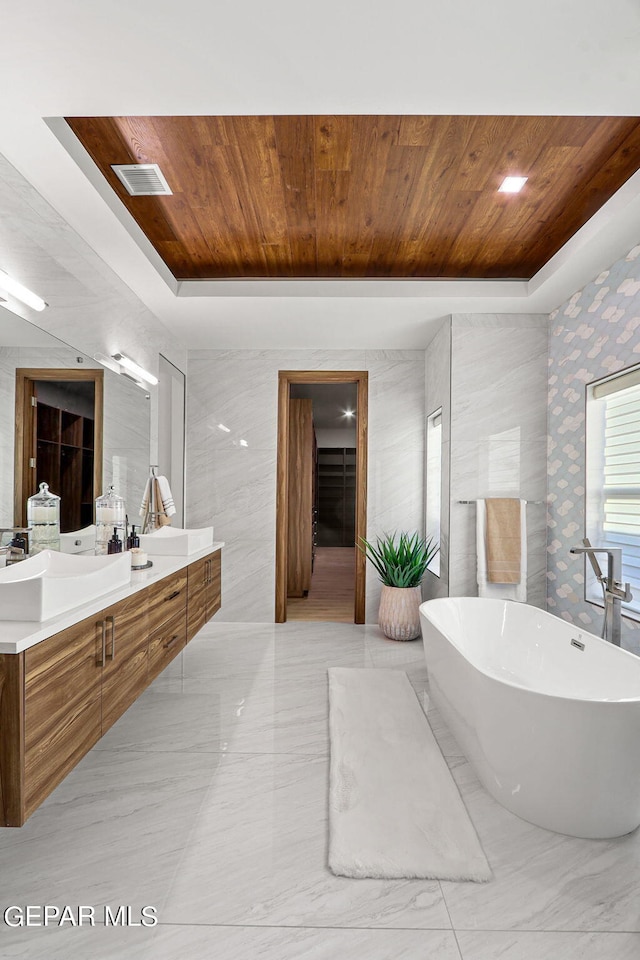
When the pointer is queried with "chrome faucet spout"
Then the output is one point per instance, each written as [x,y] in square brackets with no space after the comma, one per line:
[614,590]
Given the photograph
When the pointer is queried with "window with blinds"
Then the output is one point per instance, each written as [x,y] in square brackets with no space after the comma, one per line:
[613,477]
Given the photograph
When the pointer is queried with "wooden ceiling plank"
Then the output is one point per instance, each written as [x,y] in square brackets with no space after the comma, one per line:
[333,138]
[372,142]
[260,175]
[193,204]
[400,187]
[332,193]
[295,146]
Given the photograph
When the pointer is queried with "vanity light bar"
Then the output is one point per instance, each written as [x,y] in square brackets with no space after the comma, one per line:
[133,368]
[21,292]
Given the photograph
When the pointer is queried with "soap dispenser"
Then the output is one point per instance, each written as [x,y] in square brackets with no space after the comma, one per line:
[115,544]
[133,540]
[43,516]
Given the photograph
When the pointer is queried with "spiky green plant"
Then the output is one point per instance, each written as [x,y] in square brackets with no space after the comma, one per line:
[401,564]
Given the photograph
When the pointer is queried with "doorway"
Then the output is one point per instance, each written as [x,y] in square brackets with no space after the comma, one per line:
[59,441]
[321,497]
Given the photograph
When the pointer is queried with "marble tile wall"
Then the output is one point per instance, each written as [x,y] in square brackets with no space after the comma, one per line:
[498,434]
[126,425]
[438,395]
[593,334]
[89,306]
[234,485]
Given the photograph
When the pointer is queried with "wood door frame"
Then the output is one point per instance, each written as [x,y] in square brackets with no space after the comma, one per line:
[285,379]
[25,438]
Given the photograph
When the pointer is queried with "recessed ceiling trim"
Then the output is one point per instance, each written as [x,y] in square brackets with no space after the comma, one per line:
[352,288]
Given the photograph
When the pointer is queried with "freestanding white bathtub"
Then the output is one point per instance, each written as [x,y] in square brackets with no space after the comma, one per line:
[547,714]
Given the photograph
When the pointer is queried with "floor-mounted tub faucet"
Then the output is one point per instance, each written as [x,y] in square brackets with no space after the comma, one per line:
[613,588]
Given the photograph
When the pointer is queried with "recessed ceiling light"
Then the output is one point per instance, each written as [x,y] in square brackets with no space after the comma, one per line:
[348,414]
[512,184]
[224,429]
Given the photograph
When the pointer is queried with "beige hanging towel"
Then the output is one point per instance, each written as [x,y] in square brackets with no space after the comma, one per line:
[503,540]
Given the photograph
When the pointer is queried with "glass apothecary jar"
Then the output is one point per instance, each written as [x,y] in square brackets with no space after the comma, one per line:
[110,517]
[43,516]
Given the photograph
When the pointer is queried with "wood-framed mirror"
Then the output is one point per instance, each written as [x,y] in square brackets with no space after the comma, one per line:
[59,440]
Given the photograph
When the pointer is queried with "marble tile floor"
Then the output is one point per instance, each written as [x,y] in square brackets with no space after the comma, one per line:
[208,801]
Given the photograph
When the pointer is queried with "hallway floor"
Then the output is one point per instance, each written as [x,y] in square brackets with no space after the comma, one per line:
[332,594]
[208,800]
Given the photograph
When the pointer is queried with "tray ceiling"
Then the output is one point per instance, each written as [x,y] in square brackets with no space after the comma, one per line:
[369,197]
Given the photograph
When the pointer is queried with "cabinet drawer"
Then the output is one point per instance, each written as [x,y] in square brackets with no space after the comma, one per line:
[165,642]
[167,599]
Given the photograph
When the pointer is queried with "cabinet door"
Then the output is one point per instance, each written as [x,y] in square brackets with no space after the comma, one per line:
[63,682]
[166,642]
[125,673]
[214,583]
[197,574]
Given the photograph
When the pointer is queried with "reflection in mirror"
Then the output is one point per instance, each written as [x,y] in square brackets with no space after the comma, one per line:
[433,484]
[126,417]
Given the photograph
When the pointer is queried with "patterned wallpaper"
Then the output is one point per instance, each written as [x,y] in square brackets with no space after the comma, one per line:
[595,333]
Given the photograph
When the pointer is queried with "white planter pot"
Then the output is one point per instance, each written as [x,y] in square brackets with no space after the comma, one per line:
[399,613]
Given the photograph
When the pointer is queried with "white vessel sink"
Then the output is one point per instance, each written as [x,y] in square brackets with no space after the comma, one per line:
[174,542]
[50,583]
[77,541]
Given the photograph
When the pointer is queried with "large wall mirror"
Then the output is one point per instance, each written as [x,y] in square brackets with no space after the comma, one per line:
[86,427]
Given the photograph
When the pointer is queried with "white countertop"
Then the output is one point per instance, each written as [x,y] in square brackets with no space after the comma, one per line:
[18,635]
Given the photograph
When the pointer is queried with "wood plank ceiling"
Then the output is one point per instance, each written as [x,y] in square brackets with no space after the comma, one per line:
[364,196]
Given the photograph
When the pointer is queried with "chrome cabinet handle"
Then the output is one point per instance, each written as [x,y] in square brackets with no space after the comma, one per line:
[208,571]
[103,624]
[171,642]
[112,656]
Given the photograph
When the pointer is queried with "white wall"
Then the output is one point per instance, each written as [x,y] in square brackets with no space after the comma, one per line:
[235,486]
[336,437]
[488,373]
[498,435]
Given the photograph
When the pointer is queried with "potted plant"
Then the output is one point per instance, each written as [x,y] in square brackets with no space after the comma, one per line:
[401,566]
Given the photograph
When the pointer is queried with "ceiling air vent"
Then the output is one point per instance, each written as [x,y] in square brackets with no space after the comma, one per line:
[142,179]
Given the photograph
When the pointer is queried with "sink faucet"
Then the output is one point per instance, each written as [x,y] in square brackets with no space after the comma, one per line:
[613,588]
[16,553]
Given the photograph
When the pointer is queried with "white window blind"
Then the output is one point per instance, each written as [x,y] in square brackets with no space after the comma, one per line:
[620,496]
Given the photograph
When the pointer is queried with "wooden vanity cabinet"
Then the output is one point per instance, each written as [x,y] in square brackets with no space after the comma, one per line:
[204,588]
[58,697]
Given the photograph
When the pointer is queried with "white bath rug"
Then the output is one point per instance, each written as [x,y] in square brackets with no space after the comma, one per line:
[394,809]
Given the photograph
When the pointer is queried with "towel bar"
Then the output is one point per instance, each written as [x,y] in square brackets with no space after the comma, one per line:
[526,501]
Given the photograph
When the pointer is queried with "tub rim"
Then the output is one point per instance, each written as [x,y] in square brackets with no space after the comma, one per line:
[518,686]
